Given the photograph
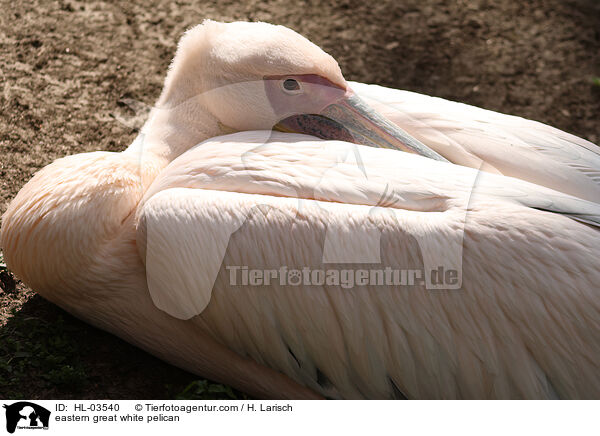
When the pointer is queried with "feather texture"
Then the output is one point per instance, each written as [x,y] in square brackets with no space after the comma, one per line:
[505,144]
[525,278]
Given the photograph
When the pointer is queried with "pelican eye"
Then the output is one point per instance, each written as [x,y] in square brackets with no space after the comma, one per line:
[291,85]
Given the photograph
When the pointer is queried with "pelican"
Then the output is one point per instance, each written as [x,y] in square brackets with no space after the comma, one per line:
[339,257]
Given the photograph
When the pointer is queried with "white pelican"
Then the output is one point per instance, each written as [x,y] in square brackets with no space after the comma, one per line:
[148,243]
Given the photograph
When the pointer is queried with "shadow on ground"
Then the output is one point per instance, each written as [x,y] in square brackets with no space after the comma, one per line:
[47,353]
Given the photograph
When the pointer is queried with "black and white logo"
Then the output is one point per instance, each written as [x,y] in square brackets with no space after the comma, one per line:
[26,415]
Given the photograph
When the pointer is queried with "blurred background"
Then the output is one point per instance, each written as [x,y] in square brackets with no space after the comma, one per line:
[69,71]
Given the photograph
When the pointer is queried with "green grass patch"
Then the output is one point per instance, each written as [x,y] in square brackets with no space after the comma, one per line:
[206,390]
[596,81]
[39,356]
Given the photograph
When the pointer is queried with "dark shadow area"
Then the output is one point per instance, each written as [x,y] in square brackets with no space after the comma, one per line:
[47,353]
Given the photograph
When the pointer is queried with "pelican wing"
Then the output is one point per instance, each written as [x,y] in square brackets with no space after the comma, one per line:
[499,143]
[259,243]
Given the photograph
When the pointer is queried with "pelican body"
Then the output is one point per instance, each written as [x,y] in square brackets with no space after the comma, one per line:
[169,244]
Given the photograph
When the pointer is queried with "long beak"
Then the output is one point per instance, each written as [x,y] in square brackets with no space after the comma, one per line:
[351,119]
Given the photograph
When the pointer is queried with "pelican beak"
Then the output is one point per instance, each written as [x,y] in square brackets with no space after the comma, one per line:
[351,119]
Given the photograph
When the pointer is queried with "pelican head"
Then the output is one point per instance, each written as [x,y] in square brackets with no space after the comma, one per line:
[259,76]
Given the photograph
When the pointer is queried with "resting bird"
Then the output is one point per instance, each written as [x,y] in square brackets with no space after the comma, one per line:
[290,266]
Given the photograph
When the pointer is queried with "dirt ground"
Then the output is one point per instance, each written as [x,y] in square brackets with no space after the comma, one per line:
[67,65]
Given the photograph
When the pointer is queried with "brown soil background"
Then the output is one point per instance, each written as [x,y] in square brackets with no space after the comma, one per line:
[66,66]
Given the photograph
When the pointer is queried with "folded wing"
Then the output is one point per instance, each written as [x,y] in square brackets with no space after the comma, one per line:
[496,142]
[522,323]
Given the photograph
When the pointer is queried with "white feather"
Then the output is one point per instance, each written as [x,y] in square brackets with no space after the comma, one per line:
[505,144]
[525,278]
